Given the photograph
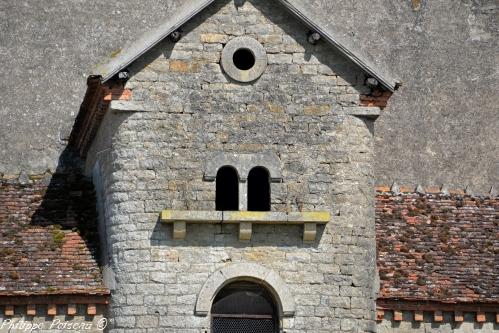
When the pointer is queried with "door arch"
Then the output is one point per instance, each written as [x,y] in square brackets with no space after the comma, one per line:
[244,307]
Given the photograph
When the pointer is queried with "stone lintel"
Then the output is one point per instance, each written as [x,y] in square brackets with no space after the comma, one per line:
[132,106]
[191,216]
[255,217]
[199,216]
[362,111]
[309,217]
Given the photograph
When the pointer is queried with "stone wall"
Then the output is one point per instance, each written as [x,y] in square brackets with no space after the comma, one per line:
[300,110]
[440,127]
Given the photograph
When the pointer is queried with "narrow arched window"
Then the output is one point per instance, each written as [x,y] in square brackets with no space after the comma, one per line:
[227,189]
[244,307]
[259,189]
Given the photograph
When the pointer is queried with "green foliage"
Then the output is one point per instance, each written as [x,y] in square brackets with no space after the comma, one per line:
[57,237]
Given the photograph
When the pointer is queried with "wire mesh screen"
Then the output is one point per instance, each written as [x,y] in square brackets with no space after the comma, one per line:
[244,307]
[243,325]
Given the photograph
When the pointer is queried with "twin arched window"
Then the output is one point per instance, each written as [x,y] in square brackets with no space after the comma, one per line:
[227,189]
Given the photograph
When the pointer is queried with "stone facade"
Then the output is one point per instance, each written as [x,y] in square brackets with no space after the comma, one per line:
[302,110]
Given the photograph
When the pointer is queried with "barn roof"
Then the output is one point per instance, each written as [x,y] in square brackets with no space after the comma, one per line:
[438,246]
[48,238]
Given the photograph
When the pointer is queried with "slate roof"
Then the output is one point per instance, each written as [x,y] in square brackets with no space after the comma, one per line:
[48,241]
[438,247]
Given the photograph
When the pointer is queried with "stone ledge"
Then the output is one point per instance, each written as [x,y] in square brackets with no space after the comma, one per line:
[131,106]
[361,111]
[245,219]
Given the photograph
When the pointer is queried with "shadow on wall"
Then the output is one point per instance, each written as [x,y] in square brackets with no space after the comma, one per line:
[68,201]
[65,199]
[227,235]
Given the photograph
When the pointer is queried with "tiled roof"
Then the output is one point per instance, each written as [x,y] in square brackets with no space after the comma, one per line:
[48,237]
[432,246]
[439,247]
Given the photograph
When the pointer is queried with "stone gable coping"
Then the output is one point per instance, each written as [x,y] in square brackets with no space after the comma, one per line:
[191,8]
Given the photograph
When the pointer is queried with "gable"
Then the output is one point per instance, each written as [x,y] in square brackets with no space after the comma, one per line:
[127,56]
[303,82]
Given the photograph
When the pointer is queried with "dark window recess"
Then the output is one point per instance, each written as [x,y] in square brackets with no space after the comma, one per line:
[227,189]
[244,307]
[259,189]
[244,59]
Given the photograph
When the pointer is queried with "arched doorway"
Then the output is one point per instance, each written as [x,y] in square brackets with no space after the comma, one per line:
[244,307]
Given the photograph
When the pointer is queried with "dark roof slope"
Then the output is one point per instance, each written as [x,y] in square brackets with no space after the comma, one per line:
[438,247]
[48,239]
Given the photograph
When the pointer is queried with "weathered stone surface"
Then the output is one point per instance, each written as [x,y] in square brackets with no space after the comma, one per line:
[323,158]
[256,50]
[445,117]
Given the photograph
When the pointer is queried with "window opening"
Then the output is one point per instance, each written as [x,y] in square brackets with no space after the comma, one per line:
[227,189]
[259,189]
[244,59]
[244,307]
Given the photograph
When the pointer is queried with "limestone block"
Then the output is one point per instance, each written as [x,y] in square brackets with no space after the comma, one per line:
[191,216]
[245,229]
[315,217]
[179,230]
[309,232]
[250,216]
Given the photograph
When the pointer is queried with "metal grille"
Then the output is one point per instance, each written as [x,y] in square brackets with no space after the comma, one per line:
[242,325]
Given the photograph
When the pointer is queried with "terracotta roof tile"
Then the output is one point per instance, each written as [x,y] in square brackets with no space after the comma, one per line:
[48,241]
[438,248]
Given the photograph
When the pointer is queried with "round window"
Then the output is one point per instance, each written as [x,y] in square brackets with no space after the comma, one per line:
[244,59]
